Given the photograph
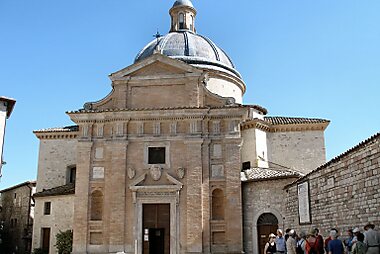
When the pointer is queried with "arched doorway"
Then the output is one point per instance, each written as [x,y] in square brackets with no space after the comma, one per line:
[267,223]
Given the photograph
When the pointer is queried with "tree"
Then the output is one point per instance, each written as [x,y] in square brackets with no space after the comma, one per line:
[64,242]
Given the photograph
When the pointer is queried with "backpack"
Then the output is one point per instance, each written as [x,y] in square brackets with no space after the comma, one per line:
[299,249]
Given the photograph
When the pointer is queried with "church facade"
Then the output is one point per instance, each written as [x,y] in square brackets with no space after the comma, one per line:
[159,164]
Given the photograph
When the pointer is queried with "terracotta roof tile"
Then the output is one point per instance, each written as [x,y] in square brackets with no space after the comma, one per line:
[255,174]
[72,128]
[279,120]
[33,183]
[67,189]
[164,108]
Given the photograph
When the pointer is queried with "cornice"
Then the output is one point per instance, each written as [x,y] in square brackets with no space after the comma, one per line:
[268,127]
[56,135]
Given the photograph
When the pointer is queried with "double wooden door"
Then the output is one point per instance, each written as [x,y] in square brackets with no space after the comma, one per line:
[156,229]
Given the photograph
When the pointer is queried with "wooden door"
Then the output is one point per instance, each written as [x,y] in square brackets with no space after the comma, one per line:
[266,224]
[45,239]
[156,229]
[263,233]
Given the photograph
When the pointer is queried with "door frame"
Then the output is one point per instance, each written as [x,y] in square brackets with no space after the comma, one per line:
[157,198]
[163,228]
[254,225]
[45,236]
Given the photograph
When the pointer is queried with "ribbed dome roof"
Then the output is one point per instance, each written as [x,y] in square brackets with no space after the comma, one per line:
[183,2]
[191,48]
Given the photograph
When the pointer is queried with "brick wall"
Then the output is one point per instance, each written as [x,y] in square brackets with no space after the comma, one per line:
[344,193]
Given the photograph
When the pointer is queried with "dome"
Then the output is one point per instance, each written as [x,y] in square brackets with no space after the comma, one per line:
[183,2]
[191,48]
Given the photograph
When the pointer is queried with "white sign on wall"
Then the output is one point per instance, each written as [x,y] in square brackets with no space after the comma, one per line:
[303,203]
[98,173]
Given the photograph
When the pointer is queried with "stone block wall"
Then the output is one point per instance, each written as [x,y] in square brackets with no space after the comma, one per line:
[17,218]
[302,150]
[60,218]
[266,196]
[344,193]
[55,156]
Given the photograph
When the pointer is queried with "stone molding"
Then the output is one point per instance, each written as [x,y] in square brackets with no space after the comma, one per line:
[267,127]
[59,135]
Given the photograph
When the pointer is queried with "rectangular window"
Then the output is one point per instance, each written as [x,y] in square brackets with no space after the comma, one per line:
[156,155]
[73,172]
[47,208]
[246,165]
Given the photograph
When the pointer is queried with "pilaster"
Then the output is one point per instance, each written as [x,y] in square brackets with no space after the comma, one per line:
[115,193]
[80,227]
[194,196]
[233,209]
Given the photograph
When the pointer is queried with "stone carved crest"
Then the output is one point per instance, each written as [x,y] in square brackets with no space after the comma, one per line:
[131,173]
[181,172]
[155,172]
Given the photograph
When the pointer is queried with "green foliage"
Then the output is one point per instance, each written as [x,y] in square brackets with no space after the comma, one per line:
[64,242]
[39,251]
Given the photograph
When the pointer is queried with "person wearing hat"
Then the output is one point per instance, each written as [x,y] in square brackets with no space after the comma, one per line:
[291,243]
[311,245]
[355,231]
[270,246]
[359,247]
[371,239]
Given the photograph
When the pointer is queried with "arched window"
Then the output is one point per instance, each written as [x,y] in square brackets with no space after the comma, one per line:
[192,23]
[217,205]
[96,205]
[181,20]
[267,219]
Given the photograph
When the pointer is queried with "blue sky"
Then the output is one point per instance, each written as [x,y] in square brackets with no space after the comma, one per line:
[298,58]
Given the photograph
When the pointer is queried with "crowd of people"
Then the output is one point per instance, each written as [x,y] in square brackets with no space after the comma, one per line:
[356,242]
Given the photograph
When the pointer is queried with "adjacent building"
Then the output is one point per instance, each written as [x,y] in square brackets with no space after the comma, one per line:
[343,193]
[16,218]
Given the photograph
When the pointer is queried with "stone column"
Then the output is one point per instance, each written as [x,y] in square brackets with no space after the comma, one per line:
[80,227]
[194,196]
[233,216]
[115,189]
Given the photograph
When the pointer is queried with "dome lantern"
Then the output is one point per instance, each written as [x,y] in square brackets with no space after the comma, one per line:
[183,16]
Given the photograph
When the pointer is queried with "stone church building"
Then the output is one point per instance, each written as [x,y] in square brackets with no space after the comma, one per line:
[171,160]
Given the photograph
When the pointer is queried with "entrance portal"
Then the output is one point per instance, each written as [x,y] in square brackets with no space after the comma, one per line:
[266,224]
[156,228]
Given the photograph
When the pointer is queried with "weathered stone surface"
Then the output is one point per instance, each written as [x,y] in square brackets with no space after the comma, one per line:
[344,193]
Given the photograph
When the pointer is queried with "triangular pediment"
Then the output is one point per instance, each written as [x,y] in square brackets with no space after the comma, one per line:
[155,65]
[170,183]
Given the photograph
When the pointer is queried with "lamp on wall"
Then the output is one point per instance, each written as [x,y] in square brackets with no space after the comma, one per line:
[6,108]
